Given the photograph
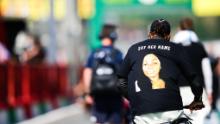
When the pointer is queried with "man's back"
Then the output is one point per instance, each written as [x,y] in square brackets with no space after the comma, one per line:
[160,62]
[149,76]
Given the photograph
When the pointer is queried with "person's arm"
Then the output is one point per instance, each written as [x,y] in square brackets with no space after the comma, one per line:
[207,74]
[122,74]
[193,78]
[87,76]
[123,86]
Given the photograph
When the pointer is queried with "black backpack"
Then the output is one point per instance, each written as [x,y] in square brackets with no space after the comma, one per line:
[104,79]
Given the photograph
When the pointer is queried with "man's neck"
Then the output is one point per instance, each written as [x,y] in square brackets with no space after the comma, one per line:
[106,42]
[156,37]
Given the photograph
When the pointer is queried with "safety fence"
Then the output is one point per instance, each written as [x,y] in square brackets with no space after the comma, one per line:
[26,85]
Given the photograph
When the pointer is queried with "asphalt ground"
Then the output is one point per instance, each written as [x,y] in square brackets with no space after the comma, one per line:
[72,114]
[76,114]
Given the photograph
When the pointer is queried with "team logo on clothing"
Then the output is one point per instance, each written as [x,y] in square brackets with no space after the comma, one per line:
[151,68]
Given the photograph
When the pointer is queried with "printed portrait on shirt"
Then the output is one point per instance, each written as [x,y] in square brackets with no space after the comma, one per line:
[151,68]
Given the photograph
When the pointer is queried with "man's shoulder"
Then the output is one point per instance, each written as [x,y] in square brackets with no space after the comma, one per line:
[155,42]
[116,49]
[135,45]
[112,49]
[199,44]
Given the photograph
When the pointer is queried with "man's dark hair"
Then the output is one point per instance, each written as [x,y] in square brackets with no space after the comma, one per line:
[108,31]
[186,24]
[160,27]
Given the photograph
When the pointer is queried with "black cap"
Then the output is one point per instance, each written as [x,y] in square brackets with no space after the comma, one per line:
[160,27]
[108,31]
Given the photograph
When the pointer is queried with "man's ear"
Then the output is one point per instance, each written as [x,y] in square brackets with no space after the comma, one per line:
[150,35]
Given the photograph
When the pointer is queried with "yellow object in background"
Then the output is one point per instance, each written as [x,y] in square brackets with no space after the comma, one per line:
[38,10]
[32,9]
[206,7]
[86,8]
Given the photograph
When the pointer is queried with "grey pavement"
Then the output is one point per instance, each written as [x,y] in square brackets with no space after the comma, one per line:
[75,114]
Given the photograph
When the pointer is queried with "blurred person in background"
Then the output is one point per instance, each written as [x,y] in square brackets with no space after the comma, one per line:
[23,41]
[186,33]
[149,77]
[215,86]
[34,52]
[4,54]
[100,79]
[201,62]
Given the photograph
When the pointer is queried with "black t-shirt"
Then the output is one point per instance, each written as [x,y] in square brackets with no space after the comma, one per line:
[152,68]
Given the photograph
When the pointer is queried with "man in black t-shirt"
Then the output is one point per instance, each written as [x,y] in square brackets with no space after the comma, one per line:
[149,77]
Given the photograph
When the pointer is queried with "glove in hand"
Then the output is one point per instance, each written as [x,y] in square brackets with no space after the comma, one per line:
[195,105]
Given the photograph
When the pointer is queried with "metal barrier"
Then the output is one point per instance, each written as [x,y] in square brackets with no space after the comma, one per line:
[24,85]
[3,86]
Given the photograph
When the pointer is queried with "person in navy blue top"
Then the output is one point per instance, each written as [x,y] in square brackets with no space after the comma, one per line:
[106,106]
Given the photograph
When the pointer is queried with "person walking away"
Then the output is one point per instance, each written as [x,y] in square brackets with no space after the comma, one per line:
[100,79]
[149,77]
[200,61]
